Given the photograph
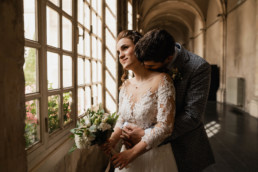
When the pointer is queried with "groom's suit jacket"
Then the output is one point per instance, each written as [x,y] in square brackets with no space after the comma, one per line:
[189,140]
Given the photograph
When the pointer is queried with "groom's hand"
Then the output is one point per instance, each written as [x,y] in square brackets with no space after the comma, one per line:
[131,135]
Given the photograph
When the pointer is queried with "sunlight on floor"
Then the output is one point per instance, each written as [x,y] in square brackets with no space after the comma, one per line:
[212,128]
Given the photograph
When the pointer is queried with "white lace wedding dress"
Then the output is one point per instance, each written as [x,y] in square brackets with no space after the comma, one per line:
[152,112]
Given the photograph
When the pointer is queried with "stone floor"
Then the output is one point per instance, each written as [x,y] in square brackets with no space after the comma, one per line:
[233,137]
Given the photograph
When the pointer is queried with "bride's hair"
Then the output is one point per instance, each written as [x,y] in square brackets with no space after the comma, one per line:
[134,36]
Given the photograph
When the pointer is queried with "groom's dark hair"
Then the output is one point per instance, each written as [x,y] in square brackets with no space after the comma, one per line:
[156,45]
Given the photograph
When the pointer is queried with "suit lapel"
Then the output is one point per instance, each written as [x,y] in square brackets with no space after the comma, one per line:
[180,64]
[182,58]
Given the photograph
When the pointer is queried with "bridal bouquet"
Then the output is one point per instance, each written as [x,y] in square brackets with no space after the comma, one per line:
[94,128]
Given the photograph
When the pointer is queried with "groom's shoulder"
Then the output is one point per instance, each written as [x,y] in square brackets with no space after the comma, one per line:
[196,60]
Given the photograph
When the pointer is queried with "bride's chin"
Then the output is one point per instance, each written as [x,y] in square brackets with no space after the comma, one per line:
[127,67]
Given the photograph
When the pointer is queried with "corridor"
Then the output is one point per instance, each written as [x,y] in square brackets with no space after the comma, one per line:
[233,137]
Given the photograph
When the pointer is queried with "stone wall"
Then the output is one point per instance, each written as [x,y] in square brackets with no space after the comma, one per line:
[92,160]
[241,46]
[12,107]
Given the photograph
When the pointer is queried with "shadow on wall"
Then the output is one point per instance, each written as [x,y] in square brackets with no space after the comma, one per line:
[92,161]
[215,79]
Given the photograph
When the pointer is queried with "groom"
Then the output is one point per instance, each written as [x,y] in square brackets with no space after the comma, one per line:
[191,75]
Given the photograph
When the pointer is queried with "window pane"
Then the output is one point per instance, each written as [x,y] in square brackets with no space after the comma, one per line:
[67,34]
[30,70]
[32,128]
[56,2]
[94,47]
[99,93]
[80,71]
[95,95]
[53,113]
[80,11]
[111,21]
[99,72]
[94,71]
[87,44]
[30,20]
[130,15]
[110,104]
[94,4]
[94,23]
[81,101]
[111,85]
[87,17]
[53,70]
[88,97]
[130,74]
[110,63]
[112,5]
[81,42]
[52,27]
[99,49]
[67,71]
[100,7]
[67,6]
[99,27]
[111,42]
[67,105]
[87,72]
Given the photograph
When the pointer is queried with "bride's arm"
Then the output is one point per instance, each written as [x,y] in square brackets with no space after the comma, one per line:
[162,129]
[115,136]
[166,114]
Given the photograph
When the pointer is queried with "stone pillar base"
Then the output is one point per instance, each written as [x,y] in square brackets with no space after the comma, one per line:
[221,95]
[253,109]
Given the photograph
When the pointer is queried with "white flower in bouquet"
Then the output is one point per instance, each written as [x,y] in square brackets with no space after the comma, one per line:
[105,118]
[87,121]
[81,142]
[104,126]
[94,128]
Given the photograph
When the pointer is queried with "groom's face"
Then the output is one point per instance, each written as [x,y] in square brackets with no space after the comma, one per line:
[156,66]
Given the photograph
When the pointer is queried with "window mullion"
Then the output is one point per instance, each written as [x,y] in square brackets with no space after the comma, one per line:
[61,109]
[43,74]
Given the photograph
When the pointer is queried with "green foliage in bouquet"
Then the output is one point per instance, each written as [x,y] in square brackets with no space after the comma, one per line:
[94,128]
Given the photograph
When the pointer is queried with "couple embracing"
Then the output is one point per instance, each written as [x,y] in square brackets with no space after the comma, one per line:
[161,107]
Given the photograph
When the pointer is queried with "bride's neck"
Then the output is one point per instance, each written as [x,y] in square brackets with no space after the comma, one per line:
[141,73]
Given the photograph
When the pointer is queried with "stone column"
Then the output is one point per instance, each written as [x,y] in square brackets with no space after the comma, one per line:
[221,94]
[12,87]
[254,103]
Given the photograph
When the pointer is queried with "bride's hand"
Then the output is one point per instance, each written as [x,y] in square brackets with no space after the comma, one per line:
[108,146]
[122,159]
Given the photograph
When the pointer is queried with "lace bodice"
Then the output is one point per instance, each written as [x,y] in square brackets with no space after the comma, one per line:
[153,111]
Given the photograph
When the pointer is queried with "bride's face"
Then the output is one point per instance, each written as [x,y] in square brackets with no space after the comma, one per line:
[125,50]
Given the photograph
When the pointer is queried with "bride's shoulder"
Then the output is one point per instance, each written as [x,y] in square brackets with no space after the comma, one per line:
[162,77]
[127,83]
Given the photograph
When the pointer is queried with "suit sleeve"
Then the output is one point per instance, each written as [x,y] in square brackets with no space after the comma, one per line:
[190,117]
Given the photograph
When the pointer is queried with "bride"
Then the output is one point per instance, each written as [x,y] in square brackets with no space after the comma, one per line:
[146,100]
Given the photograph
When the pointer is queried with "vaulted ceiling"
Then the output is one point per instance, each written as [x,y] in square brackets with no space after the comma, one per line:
[182,18]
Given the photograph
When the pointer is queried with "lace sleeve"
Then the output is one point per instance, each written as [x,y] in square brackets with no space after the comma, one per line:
[120,120]
[166,114]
